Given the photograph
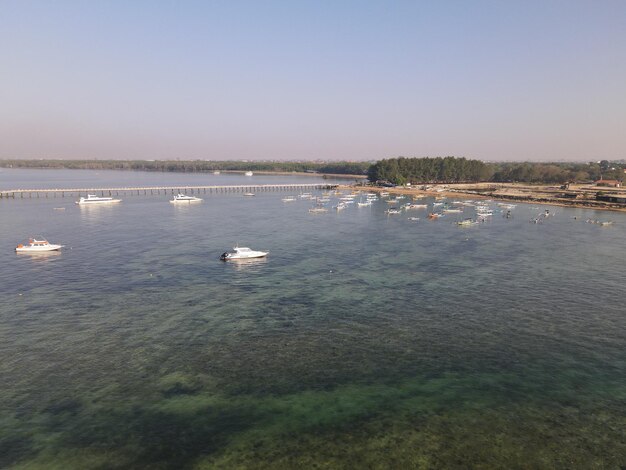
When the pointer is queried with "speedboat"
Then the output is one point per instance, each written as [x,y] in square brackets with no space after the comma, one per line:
[184,198]
[37,246]
[242,252]
[248,173]
[93,199]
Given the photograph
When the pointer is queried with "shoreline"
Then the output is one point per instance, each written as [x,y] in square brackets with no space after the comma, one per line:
[532,198]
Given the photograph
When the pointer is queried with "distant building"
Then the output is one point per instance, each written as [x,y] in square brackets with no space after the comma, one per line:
[609,183]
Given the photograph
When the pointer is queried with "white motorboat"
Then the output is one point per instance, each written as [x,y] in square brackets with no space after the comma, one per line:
[184,198]
[364,204]
[37,246]
[248,173]
[318,210]
[289,199]
[242,252]
[249,194]
[93,199]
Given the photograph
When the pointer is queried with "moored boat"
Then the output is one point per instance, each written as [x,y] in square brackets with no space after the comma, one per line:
[242,252]
[37,246]
[184,198]
[467,222]
[93,199]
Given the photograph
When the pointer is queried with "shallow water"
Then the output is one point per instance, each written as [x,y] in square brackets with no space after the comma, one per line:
[363,341]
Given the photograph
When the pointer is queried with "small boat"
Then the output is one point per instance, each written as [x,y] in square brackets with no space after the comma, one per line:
[318,210]
[93,199]
[249,194]
[393,211]
[415,206]
[341,206]
[289,199]
[414,219]
[467,222]
[364,204]
[453,211]
[248,173]
[216,172]
[242,252]
[37,246]
[184,198]
[434,215]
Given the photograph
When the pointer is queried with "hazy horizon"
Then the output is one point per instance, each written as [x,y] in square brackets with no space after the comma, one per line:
[486,80]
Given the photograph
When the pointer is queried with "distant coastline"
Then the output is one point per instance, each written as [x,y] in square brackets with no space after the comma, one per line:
[328,169]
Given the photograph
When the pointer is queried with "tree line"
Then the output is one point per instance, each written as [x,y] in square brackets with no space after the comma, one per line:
[194,166]
[460,170]
[399,170]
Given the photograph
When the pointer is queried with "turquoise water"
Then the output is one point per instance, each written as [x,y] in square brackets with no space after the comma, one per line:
[363,341]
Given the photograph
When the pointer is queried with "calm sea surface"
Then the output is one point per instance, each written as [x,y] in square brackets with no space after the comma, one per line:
[364,340]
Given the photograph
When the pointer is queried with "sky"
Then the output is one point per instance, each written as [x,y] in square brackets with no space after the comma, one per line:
[296,80]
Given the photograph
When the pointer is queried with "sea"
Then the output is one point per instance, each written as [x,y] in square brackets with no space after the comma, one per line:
[364,340]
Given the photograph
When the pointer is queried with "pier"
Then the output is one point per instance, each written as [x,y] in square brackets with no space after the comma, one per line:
[157,190]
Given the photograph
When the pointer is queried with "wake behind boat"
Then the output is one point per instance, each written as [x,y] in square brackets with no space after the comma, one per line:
[93,199]
[242,252]
[37,246]
[184,198]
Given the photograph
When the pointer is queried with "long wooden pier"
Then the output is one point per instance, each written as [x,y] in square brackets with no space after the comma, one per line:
[156,190]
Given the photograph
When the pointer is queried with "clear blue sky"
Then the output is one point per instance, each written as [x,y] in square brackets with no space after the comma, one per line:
[495,80]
